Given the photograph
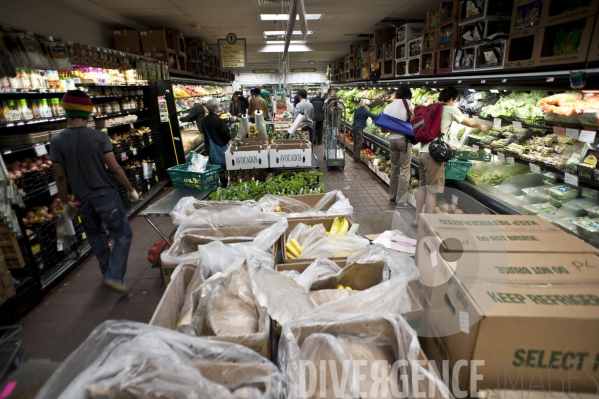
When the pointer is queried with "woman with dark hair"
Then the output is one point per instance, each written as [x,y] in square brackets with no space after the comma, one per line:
[237,107]
[432,172]
[361,115]
[400,148]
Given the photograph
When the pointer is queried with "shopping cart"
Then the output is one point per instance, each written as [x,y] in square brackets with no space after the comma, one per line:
[11,349]
[334,151]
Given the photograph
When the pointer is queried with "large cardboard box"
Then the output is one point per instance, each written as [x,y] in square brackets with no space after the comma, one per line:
[522,51]
[594,47]
[157,40]
[548,38]
[248,157]
[7,288]
[523,335]
[127,40]
[290,155]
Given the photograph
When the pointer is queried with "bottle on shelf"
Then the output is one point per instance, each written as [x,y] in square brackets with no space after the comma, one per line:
[59,108]
[36,80]
[15,81]
[16,113]
[4,83]
[26,113]
[35,110]
[5,113]
[25,81]
[46,111]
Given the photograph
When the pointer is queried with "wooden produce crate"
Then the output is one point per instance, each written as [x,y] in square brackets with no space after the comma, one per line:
[401,51]
[433,19]
[481,56]
[521,52]
[401,68]
[445,61]
[430,61]
[9,246]
[546,52]
[449,11]
[430,41]
[157,40]
[448,36]
[414,66]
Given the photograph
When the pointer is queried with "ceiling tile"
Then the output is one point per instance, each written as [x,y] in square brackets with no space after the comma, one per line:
[208,11]
[120,4]
[135,12]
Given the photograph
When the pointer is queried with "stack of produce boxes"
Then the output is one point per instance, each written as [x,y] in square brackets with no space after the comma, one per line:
[447,36]
[427,61]
[7,288]
[405,35]
[551,32]
[515,293]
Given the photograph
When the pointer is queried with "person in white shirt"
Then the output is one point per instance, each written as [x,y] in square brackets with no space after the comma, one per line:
[400,148]
[305,107]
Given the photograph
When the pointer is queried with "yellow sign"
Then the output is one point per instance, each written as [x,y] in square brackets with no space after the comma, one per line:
[232,56]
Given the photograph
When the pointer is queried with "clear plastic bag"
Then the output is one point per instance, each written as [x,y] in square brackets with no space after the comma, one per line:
[198,163]
[382,337]
[188,205]
[65,233]
[125,359]
[307,235]
[335,245]
[333,203]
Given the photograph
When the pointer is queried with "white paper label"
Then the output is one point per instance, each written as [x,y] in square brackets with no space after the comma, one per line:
[376,162]
[535,168]
[572,133]
[517,125]
[475,148]
[371,146]
[123,156]
[510,160]
[40,150]
[496,122]
[131,126]
[587,136]
[434,259]
[501,156]
[454,199]
[571,179]
[135,151]
[53,189]
[464,322]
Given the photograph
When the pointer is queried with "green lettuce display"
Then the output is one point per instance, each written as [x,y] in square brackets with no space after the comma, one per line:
[517,106]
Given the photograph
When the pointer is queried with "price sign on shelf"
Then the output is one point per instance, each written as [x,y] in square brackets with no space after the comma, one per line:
[376,162]
[123,156]
[53,188]
[501,157]
[135,151]
[587,136]
[496,122]
[454,199]
[517,125]
[510,160]
[572,133]
[535,168]
[570,179]
[40,150]
[559,131]
[131,126]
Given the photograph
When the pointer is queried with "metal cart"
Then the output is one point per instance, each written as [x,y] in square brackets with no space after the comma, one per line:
[334,151]
[12,346]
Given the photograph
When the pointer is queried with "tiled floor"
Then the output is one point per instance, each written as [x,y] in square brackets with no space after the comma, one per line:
[79,303]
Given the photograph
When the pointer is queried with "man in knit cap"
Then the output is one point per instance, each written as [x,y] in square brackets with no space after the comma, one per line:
[85,157]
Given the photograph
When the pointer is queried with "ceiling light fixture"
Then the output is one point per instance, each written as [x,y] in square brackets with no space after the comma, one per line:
[282,32]
[311,62]
[285,17]
[283,42]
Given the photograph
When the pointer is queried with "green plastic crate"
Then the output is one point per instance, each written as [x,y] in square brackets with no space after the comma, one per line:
[186,180]
[457,170]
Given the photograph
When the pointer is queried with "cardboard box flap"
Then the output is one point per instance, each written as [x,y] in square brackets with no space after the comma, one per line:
[291,146]
[357,276]
[486,222]
[246,148]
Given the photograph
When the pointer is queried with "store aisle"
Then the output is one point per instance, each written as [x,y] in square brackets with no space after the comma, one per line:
[79,303]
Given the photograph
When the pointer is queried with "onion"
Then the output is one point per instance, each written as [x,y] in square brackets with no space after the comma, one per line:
[24,164]
[49,163]
[17,163]
[23,170]
[46,157]
[33,168]
[18,174]
[44,166]
[27,160]
[41,220]
[44,208]
[30,215]
[39,162]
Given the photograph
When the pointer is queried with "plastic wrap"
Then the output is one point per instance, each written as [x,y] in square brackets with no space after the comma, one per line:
[188,205]
[245,125]
[306,235]
[335,245]
[237,226]
[333,203]
[382,337]
[124,359]
[269,203]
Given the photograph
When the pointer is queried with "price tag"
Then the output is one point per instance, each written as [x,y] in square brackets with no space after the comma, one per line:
[77,80]
[550,79]
[40,150]
[454,199]
[572,133]
[464,322]
[496,122]
[123,156]
[475,148]
[495,91]
[459,81]
[501,157]
[134,151]
[559,131]
[131,126]
[510,160]
[483,81]
[535,168]
[376,162]
[371,146]
[53,188]
[587,136]
[503,80]
[570,179]
[517,125]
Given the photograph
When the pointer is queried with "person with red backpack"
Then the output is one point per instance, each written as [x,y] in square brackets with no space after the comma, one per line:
[400,148]
[432,171]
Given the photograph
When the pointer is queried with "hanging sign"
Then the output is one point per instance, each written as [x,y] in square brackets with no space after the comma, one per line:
[232,51]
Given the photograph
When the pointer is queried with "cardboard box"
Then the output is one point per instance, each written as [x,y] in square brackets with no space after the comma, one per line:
[449,35]
[521,52]
[513,328]
[290,155]
[7,288]
[430,41]
[529,30]
[556,12]
[433,64]
[548,35]
[481,61]
[445,61]
[401,68]
[490,9]
[247,157]
[409,32]
[158,40]
[594,47]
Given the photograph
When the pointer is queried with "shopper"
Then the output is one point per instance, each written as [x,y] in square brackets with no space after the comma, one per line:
[84,156]
[318,97]
[400,148]
[296,100]
[236,107]
[305,107]
[257,103]
[243,100]
[318,104]
[196,114]
[265,94]
[361,114]
[217,136]
[432,172]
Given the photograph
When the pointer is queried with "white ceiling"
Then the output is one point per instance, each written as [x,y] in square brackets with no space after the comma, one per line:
[342,21]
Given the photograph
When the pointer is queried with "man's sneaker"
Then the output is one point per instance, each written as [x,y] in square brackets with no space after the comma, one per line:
[403,205]
[392,201]
[115,285]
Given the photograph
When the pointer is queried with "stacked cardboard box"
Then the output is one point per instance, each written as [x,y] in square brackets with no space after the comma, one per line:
[403,36]
[514,292]
[7,288]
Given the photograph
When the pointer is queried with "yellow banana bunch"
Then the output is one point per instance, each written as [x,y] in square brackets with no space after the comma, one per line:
[278,209]
[340,287]
[340,226]
[293,249]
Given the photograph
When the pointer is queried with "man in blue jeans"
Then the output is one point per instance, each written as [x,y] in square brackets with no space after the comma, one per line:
[85,156]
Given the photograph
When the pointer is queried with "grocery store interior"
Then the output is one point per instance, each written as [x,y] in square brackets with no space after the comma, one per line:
[251,144]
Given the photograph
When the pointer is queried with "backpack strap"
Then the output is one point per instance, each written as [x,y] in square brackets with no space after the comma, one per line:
[405,104]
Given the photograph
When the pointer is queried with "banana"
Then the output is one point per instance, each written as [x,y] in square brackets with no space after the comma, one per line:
[278,209]
[339,287]
[290,248]
[344,227]
[348,288]
[335,226]
[326,234]
[297,246]
[290,256]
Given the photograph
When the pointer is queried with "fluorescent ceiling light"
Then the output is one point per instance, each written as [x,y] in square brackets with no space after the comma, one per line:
[282,32]
[283,42]
[285,17]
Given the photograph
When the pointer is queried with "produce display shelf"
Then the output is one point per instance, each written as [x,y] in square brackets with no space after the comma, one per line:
[32,91]
[94,97]
[379,142]
[106,116]
[183,111]
[109,85]
[10,150]
[128,123]
[32,122]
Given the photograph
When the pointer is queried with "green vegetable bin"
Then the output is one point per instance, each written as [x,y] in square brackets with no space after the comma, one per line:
[185,180]
[457,170]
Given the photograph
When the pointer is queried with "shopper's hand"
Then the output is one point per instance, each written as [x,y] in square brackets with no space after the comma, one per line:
[133,196]
[69,211]
[484,128]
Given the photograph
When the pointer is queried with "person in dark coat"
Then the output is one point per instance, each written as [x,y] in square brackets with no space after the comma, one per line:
[318,104]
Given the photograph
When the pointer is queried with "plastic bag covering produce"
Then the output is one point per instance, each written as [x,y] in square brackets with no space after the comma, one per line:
[125,359]
[333,203]
[236,226]
[188,205]
[335,337]
[380,276]
[65,233]
[335,245]
[198,163]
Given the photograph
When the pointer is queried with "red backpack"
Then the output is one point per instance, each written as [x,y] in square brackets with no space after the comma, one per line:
[427,123]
